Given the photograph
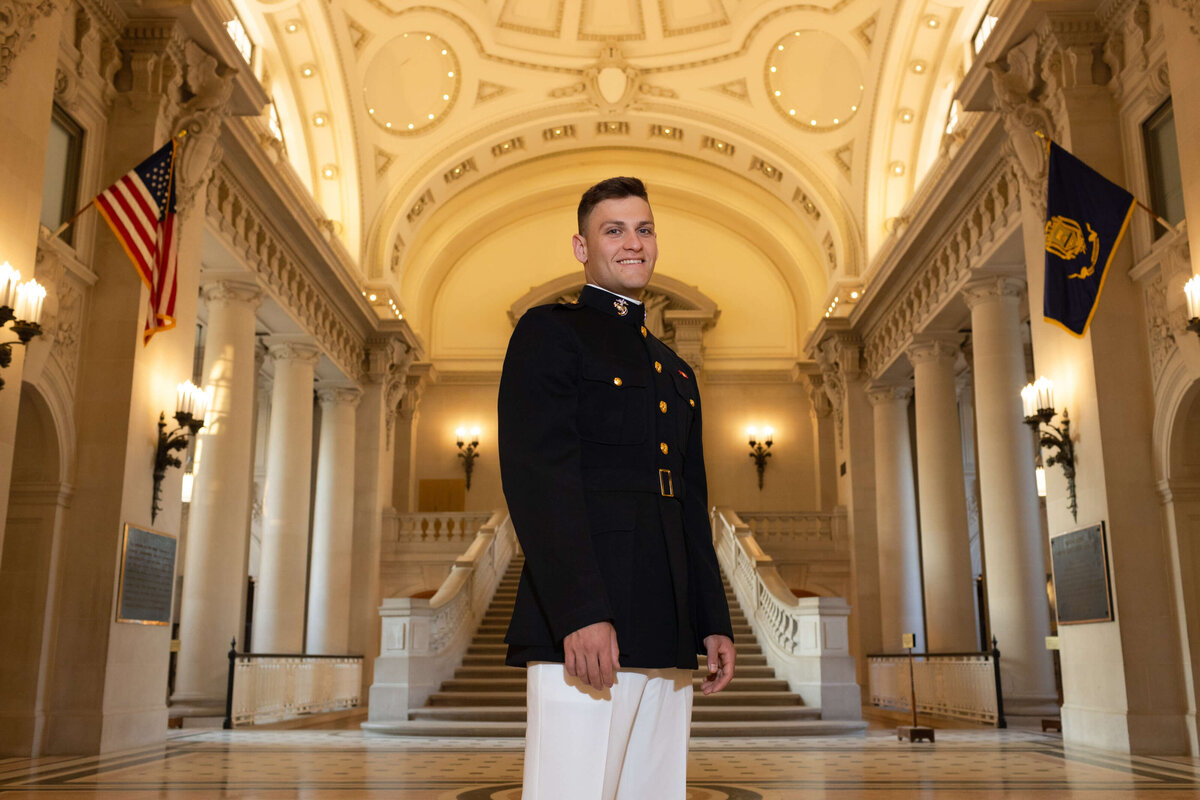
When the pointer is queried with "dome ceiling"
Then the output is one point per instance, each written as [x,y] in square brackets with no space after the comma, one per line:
[391,111]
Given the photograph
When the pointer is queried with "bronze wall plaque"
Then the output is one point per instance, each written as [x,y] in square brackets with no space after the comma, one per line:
[147,576]
[1081,582]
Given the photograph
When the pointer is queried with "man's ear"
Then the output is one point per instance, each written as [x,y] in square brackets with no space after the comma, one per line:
[579,245]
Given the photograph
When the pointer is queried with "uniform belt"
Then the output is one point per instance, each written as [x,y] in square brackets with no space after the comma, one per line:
[660,482]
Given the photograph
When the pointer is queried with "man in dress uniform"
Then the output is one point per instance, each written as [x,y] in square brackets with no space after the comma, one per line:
[603,471]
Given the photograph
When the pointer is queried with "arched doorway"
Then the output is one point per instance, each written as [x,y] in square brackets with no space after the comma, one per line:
[29,574]
[1181,503]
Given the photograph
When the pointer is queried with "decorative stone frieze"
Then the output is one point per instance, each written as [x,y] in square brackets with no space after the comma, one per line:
[62,317]
[1016,81]
[985,219]
[1162,276]
[17,19]
[282,273]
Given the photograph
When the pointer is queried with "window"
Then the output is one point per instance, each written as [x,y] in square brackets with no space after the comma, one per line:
[952,118]
[60,182]
[274,125]
[985,30]
[1162,166]
[241,39]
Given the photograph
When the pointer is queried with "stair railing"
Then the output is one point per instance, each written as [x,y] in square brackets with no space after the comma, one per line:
[805,639]
[423,639]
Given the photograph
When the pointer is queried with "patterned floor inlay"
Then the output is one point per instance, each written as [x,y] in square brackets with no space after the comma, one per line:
[323,765]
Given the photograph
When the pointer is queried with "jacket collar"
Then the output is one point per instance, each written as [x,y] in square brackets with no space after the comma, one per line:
[613,305]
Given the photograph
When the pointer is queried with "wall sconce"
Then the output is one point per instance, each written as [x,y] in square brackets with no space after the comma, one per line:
[758,451]
[20,304]
[191,405]
[1038,401]
[468,452]
[1192,290]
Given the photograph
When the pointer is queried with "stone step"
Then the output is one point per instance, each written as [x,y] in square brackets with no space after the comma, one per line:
[499,670]
[725,698]
[500,647]
[705,714]
[496,658]
[778,728]
[517,684]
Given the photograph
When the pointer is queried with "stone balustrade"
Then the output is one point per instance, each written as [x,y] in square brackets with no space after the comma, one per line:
[805,639]
[424,639]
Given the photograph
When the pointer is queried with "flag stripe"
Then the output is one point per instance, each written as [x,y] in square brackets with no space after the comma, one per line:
[140,209]
[139,229]
[134,246]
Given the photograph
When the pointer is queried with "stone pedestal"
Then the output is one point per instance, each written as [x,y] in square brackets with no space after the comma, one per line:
[945,542]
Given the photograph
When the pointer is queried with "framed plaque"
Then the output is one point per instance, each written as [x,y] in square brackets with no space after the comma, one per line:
[147,576]
[1079,560]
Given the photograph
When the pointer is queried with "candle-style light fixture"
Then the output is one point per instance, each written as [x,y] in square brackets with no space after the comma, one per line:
[1192,290]
[468,451]
[191,404]
[1038,401]
[758,449]
[20,304]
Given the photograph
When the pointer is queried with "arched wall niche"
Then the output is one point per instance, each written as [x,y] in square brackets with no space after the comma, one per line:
[718,232]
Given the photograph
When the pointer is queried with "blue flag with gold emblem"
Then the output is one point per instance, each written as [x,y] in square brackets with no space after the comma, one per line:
[1086,216]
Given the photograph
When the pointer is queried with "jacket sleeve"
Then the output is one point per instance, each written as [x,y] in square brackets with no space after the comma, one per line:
[540,471]
[710,609]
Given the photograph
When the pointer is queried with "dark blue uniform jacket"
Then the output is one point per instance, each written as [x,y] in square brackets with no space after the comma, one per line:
[603,471]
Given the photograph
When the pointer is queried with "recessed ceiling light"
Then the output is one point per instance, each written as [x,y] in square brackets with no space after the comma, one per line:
[780,47]
[918,67]
[431,116]
[292,27]
[932,22]
[371,297]
[835,120]
[428,37]
[778,93]
[307,72]
[370,111]
[387,124]
[410,126]
[854,295]
[443,52]
[318,120]
[449,74]
[445,97]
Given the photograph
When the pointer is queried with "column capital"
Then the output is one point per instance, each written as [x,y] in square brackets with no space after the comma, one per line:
[992,289]
[927,348]
[300,348]
[332,395]
[883,393]
[227,291]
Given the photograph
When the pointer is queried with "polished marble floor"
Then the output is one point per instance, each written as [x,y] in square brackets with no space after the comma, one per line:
[969,763]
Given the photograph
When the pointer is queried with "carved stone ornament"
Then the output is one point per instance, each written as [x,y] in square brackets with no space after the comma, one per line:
[201,117]
[839,359]
[1017,85]
[17,19]
[1192,9]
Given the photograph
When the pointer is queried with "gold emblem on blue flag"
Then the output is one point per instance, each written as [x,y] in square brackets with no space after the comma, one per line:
[1086,216]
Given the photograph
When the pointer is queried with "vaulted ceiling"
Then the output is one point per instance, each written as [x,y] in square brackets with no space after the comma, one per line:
[449,142]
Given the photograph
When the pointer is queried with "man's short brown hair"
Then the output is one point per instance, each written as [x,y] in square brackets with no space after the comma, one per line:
[608,189]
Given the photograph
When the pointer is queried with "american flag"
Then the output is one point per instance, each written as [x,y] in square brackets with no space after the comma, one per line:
[140,209]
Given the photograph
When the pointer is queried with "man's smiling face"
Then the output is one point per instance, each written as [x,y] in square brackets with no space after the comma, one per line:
[620,248]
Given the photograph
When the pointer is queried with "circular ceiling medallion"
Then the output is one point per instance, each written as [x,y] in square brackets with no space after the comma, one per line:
[411,84]
[814,80]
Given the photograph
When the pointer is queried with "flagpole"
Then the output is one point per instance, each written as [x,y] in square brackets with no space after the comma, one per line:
[59,230]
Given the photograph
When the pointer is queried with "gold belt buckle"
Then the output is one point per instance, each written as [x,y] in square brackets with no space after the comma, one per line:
[664,483]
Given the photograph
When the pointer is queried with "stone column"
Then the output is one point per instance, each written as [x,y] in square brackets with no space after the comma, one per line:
[210,611]
[896,520]
[333,525]
[945,543]
[279,595]
[1016,571]
[387,367]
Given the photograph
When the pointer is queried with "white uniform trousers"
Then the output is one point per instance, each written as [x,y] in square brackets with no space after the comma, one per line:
[625,743]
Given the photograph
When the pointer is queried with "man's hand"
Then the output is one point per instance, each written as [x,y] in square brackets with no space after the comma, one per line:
[592,654]
[720,663]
